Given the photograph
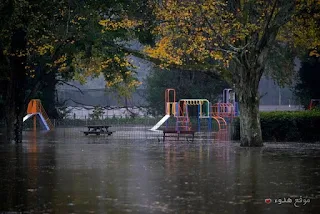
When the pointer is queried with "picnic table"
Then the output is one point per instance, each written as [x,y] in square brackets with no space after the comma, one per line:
[97,130]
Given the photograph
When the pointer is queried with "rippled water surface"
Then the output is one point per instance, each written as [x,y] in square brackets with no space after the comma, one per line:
[49,173]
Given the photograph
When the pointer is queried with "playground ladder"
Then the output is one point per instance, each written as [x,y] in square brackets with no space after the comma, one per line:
[182,119]
[224,110]
[183,123]
[44,114]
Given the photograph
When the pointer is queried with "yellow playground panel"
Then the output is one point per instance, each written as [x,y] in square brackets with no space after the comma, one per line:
[204,105]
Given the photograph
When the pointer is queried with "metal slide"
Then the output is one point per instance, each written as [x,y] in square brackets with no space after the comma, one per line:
[164,119]
[44,122]
[27,117]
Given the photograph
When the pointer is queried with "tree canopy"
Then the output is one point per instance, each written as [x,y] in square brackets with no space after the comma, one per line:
[212,34]
[44,42]
[69,37]
[307,86]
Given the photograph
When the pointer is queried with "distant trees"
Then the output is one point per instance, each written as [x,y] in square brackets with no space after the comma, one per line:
[188,84]
[308,83]
[97,113]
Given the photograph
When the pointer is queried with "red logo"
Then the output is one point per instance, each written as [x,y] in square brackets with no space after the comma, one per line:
[267,200]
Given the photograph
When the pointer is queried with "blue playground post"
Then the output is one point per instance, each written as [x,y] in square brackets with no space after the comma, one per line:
[210,119]
[187,114]
[177,109]
[236,107]
[198,118]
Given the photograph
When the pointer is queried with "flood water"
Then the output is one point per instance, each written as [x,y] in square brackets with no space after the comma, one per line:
[51,174]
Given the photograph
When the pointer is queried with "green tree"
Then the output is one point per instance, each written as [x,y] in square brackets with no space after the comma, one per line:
[64,112]
[97,113]
[234,39]
[307,86]
[44,42]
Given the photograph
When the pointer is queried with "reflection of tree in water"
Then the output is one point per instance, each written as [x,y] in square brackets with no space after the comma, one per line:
[254,174]
[33,168]
[277,173]
[199,174]
[28,181]
[309,179]
[13,183]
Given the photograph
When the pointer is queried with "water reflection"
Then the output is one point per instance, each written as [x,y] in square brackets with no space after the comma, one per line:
[49,174]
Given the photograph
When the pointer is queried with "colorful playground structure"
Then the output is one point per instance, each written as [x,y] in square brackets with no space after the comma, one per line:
[228,108]
[222,112]
[35,109]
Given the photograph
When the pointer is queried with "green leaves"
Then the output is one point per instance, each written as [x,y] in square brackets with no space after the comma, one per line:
[288,126]
[65,37]
[307,86]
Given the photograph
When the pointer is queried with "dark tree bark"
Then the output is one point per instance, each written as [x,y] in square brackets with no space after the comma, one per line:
[48,95]
[9,118]
[247,74]
[15,98]
[19,123]
[250,128]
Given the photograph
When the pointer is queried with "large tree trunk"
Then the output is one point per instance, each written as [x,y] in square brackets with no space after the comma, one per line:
[18,128]
[246,78]
[15,108]
[15,97]
[9,107]
[250,129]
[9,126]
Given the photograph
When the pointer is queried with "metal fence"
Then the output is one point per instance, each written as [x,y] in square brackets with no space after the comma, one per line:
[124,128]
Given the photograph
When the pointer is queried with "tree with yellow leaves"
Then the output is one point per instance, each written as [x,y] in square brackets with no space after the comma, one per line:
[233,38]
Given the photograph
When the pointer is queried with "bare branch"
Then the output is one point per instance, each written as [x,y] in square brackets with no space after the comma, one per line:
[269,19]
[33,91]
[225,50]
[262,95]
[66,83]
[271,30]
[68,20]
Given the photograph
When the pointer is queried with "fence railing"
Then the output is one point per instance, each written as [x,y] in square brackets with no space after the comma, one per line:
[126,128]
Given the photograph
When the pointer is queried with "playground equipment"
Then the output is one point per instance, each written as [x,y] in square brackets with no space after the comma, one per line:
[228,108]
[169,108]
[179,110]
[35,108]
[314,103]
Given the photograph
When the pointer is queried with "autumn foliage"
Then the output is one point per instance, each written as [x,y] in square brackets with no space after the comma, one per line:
[234,39]
[214,32]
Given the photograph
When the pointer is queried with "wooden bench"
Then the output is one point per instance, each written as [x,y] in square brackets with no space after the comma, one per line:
[178,133]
